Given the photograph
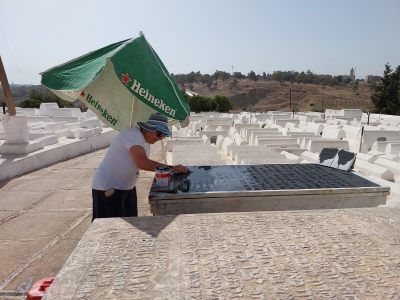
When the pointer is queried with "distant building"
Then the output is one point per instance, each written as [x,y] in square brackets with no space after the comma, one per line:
[190,93]
[352,74]
[372,79]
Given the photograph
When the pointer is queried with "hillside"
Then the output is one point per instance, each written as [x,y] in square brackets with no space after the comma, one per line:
[264,95]
[21,91]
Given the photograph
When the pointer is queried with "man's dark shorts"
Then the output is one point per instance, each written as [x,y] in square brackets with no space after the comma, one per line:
[114,203]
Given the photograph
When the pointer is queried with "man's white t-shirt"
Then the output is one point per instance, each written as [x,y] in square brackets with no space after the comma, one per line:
[118,170]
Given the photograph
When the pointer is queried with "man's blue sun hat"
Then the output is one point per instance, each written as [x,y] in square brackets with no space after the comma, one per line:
[156,122]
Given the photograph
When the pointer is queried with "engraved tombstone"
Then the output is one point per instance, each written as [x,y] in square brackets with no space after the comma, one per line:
[232,188]
[327,156]
[334,254]
[344,160]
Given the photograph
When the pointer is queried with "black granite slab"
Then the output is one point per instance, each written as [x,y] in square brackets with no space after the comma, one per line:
[344,160]
[240,178]
[327,156]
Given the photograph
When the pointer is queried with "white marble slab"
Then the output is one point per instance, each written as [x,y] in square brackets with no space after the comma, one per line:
[331,254]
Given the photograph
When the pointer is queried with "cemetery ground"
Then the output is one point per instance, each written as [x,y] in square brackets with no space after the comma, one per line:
[43,215]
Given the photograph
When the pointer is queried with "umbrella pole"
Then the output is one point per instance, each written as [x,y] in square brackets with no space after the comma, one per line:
[130,121]
[6,90]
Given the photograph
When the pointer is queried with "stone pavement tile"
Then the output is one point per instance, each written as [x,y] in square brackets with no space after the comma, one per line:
[20,199]
[143,186]
[146,174]
[88,173]
[37,225]
[71,162]
[7,185]
[89,163]
[392,202]
[47,266]
[38,173]
[144,211]
[83,183]
[14,253]
[142,196]
[65,173]
[77,232]
[37,184]
[63,164]
[66,200]
[7,296]
[100,152]
[6,213]
[53,259]
[145,181]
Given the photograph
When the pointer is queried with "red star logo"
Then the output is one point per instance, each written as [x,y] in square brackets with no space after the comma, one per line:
[83,94]
[125,78]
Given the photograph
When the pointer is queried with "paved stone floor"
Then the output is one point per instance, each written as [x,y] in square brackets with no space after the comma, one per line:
[44,214]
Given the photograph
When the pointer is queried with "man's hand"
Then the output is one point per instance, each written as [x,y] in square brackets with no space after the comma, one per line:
[180,169]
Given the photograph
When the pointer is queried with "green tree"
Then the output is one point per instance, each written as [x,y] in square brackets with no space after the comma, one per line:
[222,104]
[199,103]
[386,95]
[36,97]
[264,76]
[206,79]
[221,75]
[203,104]
[30,103]
[278,76]
[238,75]
[252,76]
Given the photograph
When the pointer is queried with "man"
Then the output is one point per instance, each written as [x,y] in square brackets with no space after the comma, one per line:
[113,185]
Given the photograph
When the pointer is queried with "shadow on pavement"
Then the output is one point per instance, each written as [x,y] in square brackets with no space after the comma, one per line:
[153,225]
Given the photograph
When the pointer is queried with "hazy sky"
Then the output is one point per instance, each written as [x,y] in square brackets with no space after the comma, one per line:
[326,37]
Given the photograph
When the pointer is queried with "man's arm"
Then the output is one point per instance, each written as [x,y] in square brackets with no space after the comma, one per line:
[141,160]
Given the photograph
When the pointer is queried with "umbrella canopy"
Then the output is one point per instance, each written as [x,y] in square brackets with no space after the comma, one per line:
[123,83]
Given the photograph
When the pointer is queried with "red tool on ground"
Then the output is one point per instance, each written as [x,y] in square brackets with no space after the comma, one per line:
[39,288]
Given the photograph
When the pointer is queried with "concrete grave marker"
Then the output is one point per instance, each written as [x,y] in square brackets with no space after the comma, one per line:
[344,160]
[327,156]
[335,254]
[232,188]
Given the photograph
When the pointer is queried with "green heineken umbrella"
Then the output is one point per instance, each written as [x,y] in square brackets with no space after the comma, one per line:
[122,83]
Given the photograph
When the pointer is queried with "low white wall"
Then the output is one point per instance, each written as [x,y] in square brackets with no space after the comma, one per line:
[55,153]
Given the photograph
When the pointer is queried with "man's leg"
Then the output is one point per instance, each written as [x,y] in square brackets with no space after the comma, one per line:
[129,204]
[106,204]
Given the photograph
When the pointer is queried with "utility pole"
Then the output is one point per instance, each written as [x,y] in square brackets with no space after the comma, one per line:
[290,99]
[6,90]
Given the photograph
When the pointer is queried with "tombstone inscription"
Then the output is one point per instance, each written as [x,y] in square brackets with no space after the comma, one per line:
[336,254]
